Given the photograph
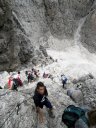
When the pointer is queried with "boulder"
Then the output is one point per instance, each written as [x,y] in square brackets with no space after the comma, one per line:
[76,95]
[89,92]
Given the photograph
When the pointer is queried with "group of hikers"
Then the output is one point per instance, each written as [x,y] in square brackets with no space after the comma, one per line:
[31,75]
[72,117]
[14,82]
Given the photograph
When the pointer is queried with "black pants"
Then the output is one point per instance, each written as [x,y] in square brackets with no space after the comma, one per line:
[46,103]
[15,84]
[30,78]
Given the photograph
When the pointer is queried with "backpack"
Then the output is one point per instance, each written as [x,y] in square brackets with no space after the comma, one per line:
[15,84]
[72,114]
[30,76]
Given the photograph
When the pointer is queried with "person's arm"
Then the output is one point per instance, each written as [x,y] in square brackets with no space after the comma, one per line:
[11,85]
[36,100]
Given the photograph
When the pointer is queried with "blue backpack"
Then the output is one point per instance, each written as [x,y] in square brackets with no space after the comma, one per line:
[72,114]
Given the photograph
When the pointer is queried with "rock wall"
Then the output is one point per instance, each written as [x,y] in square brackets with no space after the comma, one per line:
[27,24]
[88,32]
[63,15]
[20,30]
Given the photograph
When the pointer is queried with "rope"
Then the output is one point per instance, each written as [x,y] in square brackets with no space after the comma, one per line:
[8,117]
[13,91]
[25,93]
[17,107]
[4,94]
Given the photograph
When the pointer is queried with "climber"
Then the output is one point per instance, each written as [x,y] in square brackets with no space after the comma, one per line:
[40,100]
[35,72]
[46,74]
[18,78]
[29,76]
[12,83]
[64,80]
[76,117]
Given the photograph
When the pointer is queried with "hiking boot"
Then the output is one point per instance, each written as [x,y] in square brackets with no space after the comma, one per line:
[51,113]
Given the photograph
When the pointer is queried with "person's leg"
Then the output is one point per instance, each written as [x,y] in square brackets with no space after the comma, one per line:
[28,78]
[63,83]
[48,104]
[17,82]
[40,114]
[16,88]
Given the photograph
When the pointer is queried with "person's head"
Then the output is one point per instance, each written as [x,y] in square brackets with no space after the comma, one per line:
[92,117]
[62,75]
[18,72]
[40,88]
[32,69]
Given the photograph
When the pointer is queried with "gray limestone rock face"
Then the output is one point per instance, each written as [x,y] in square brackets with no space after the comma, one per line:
[62,15]
[88,32]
